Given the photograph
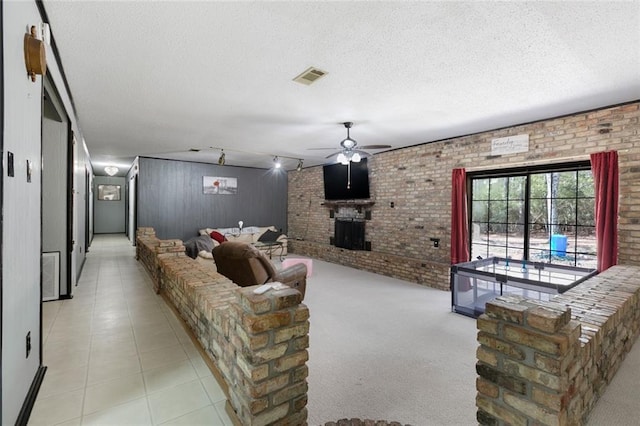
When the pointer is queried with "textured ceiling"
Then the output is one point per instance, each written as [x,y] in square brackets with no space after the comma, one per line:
[159,78]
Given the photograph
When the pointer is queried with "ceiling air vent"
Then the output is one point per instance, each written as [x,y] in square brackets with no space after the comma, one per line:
[310,75]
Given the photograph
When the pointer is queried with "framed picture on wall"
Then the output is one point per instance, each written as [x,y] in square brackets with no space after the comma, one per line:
[219,185]
[109,192]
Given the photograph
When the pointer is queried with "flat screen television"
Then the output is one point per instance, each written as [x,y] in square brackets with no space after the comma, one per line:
[336,179]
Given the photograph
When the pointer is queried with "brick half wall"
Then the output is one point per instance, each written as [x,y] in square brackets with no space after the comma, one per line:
[547,363]
[258,343]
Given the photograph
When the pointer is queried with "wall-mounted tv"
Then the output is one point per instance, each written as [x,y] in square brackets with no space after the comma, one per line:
[336,178]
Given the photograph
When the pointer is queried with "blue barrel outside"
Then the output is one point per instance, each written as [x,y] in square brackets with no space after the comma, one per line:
[559,245]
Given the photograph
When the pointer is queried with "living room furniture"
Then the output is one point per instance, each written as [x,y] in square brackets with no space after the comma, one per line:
[195,245]
[477,282]
[296,260]
[245,265]
[250,235]
[270,248]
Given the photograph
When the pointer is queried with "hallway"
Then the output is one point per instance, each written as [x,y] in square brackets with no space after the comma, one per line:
[116,353]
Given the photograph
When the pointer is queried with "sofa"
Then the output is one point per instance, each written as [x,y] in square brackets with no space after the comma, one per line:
[250,235]
[245,265]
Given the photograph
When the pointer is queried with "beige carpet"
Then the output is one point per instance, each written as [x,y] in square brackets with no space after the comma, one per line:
[620,403]
[386,349]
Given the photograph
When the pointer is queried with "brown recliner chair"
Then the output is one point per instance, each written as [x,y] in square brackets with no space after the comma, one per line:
[245,265]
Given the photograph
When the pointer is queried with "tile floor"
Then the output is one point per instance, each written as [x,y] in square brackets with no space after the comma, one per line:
[116,354]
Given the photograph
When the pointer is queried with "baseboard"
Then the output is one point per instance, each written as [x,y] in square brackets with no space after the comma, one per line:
[30,400]
[232,414]
[84,260]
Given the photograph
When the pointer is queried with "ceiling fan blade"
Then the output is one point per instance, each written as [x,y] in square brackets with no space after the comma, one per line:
[318,149]
[363,154]
[375,146]
[333,155]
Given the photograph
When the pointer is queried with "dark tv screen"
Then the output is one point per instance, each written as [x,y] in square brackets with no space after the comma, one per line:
[336,177]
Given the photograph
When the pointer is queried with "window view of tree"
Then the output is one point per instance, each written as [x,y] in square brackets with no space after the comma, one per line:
[541,216]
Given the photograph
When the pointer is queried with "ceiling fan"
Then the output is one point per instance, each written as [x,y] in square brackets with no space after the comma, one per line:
[349,152]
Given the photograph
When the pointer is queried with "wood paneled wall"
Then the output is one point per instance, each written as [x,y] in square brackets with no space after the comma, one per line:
[171,198]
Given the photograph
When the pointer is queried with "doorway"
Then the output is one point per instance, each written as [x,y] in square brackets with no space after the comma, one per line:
[57,216]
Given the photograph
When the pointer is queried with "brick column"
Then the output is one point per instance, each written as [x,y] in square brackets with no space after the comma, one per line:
[146,234]
[165,249]
[146,243]
[269,335]
[528,363]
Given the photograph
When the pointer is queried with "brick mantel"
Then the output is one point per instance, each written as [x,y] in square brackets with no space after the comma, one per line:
[348,203]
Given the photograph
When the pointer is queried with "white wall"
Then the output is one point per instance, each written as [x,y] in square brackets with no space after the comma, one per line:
[109,215]
[91,205]
[132,209]
[80,176]
[132,179]
[21,214]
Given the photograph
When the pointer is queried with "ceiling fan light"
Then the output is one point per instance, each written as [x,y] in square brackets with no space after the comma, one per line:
[356,157]
[342,158]
[277,163]
[348,143]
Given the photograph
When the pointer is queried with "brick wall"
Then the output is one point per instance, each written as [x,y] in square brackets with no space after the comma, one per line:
[547,363]
[418,181]
[408,268]
[258,343]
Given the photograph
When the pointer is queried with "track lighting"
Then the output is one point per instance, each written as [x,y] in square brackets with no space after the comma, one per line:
[277,159]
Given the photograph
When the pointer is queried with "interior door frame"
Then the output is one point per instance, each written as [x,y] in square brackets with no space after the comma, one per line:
[2,204]
[87,196]
[51,89]
[71,219]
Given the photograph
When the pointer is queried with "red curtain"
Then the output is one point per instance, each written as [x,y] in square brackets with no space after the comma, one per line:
[604,166]
[459,224]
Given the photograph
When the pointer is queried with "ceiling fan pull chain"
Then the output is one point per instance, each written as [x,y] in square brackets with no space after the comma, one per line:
[348,173]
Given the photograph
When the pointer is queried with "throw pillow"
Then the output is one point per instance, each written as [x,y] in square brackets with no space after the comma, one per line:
[269,236]
[218,237]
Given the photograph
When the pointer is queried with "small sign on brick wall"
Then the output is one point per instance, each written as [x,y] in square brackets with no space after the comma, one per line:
[510,145]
